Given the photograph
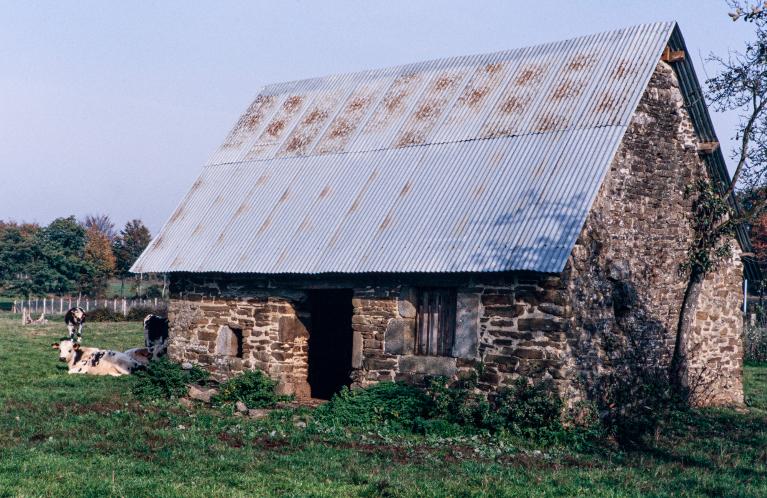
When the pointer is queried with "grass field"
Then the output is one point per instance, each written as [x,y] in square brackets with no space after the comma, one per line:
[67,435]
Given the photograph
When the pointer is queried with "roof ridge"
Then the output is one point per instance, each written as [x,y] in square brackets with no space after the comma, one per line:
[456,58]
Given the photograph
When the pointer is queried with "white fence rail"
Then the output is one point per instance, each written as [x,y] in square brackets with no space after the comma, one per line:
[60,305]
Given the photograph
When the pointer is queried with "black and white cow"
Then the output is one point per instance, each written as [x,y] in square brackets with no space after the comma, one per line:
[139,355]
[74,319]
[156,335]
[95,361]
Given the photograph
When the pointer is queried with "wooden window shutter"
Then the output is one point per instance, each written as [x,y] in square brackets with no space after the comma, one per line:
[435,322]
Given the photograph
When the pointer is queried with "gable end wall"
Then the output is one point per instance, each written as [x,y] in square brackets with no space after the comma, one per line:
[624,270]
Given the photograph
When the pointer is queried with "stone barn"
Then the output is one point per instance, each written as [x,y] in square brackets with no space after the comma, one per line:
[520,211]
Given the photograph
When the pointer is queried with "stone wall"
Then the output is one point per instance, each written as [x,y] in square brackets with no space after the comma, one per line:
[715,348]
[624,274]
[514,324]
[274,335]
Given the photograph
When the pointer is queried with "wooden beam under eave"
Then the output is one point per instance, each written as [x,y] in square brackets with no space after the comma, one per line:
[672,55]
[707,147]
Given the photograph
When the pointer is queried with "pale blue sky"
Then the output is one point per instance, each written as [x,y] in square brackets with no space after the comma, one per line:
[112,107]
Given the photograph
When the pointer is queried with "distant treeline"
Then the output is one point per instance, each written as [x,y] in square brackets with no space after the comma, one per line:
[67,256]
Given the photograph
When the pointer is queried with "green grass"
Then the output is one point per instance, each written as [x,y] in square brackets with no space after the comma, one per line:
[69,435]
[756,375]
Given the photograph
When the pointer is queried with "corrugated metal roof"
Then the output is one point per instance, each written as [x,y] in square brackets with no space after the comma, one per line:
[478,163]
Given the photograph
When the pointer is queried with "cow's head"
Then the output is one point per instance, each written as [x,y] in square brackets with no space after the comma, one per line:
[66,348]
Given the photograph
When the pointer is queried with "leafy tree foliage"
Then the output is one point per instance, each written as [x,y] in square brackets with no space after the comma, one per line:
[758,234]
[129,245]
[60,266]
[18,254]
[100,261]
[66,256]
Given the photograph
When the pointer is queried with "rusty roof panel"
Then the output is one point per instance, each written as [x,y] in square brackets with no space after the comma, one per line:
[431,106]
[278,127]
[311,124]
[251,121]
[345,125]
[469,111]
[396,101]
[579,83]
[478,163]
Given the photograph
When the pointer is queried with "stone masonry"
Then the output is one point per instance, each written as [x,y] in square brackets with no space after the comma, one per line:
[624,274]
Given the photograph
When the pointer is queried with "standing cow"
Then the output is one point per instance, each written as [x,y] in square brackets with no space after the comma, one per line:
[74,319]
[156,335]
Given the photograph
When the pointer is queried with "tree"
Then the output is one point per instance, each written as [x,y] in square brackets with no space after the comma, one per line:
[758,235]
[128,246]
[99,261]
[59,265]
[741,86]
[36,260]
[102,222]
[18,252]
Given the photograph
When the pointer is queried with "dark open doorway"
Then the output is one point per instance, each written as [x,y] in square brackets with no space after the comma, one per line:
[330,341]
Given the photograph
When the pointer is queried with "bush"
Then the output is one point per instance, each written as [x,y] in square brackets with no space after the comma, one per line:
[755,343]
[104,315]
[635,399]
[445,408]
[530,406]
[135,314]
[460,403]
[254,388]
[153,290]
[138,313]
[389,403]
[165,379]
[524,408]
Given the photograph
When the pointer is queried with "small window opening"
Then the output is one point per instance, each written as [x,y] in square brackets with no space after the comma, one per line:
[229,341]
[435,321]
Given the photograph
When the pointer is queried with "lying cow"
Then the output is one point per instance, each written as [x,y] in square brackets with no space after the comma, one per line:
[74,319]
[156,335]
[140,355]
[95,361]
